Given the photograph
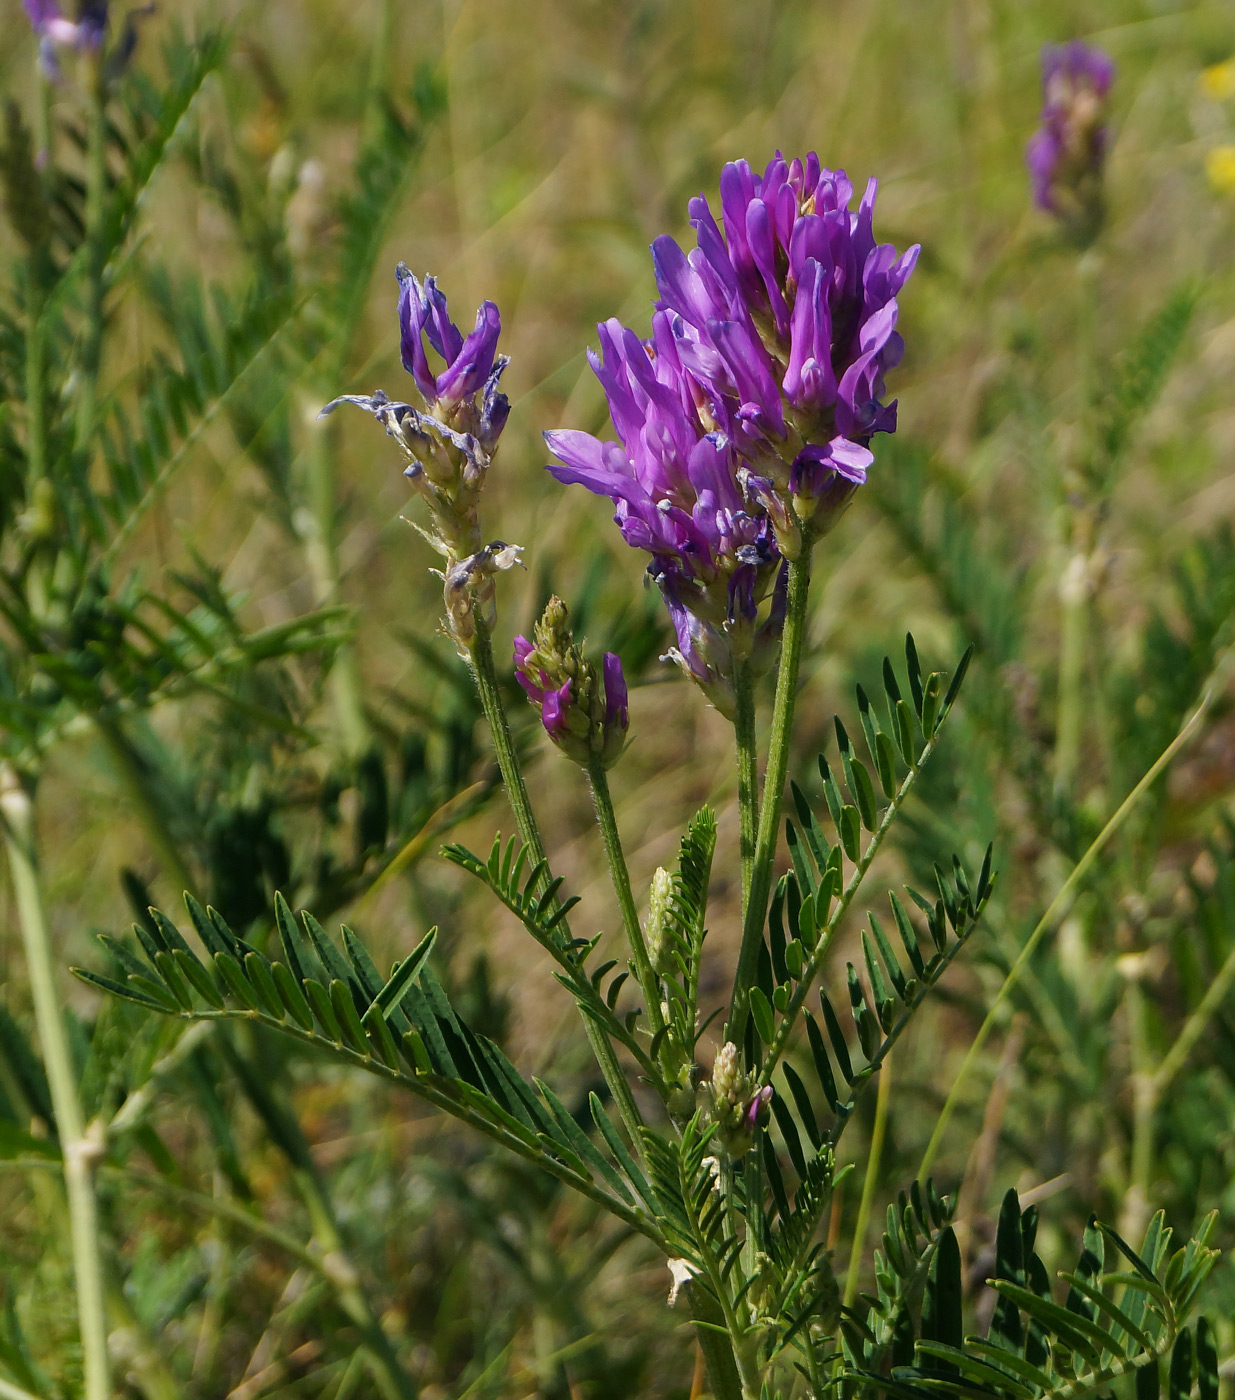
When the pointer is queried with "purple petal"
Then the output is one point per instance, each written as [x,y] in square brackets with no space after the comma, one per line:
[616,707]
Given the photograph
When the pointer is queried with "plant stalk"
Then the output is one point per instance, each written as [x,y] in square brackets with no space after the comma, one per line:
[1063,901]
[717,1349]
[748,773]
[81,1148]
[529,833]
[606,819]
[869,1183]
[773,790]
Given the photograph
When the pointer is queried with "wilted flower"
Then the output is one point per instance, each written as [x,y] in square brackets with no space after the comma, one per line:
[584,713]
[1067,154]
[449,445]
[744,421]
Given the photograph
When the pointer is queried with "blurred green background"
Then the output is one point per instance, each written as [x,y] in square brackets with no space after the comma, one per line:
[543,146]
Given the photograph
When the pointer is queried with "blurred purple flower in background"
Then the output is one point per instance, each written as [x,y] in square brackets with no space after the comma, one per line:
[1067,154]
[745,420]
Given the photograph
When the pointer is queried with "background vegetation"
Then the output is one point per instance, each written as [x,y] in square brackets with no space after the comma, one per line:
[221,669]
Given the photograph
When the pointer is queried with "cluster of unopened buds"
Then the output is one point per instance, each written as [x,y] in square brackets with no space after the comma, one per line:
[583,711]
[738,1105]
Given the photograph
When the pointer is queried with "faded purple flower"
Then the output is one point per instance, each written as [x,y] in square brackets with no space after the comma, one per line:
[585,714]
[449,443]
[744,421]
[55,31]
[1066,156]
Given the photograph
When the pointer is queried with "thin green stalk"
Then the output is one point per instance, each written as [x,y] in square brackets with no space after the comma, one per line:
[1174,1059]
[869,1183]
[717,1348]
[388,1374]
[748,773]
[773,791]
[606,819]
[96,211]
[1144,1112]
[1058,906]
[80,1149]
[529,833]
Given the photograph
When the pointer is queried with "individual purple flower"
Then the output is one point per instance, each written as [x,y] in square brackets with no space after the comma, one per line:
[585,714]
[55,31]
[1066,156]
[449,443]
[465,393]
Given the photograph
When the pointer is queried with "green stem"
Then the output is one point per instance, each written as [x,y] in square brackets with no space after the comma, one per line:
[96,211]
[389,1376]
[773,791]
[1062,902]
[1144,1111]
[606,819]
[1216,994]
[717,1349]
[748,773]
[869,1183]
[80,1149]
[529,834]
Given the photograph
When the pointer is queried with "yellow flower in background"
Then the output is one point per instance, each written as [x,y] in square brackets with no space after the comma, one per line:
[1220,169]
[1218,80]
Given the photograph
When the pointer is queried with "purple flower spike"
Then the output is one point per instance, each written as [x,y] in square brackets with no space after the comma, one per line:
[585,714]
[1066,156]
[744,421]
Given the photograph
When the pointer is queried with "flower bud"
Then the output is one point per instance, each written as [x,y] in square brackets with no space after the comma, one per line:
[740,1108]
[654,932]
[584,712]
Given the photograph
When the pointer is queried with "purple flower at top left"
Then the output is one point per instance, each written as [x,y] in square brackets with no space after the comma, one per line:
[449,442]
[55,31]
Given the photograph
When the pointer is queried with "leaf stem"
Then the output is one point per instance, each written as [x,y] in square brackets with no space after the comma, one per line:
[823,947]
[80,1148]
[773,791]
[1062,902]
[529,833]
[606,819]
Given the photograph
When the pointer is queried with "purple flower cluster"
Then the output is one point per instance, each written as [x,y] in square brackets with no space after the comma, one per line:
[585,715]
[1067,154]
[744,421]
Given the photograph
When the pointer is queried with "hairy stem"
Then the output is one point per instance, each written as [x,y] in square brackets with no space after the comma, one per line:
[773,791]
[870,1181]
[606,819]
[1063,901]
[529,834]
[748,773]
[80,1149]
